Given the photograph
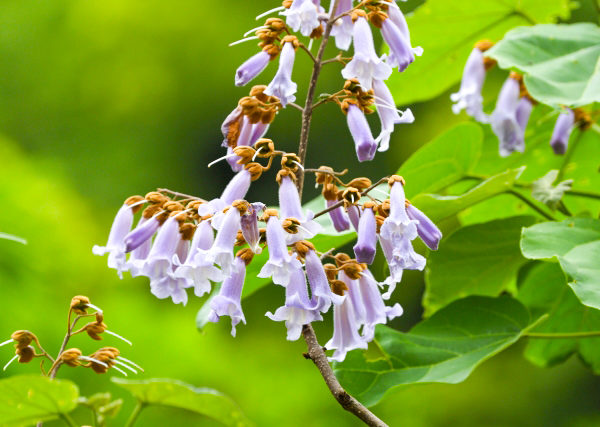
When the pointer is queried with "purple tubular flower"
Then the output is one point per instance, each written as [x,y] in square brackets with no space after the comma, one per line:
[562,131]
[523,112]
[290,207]
[338,217]
[198,269]
[115,246]
[345,331]
[232,160]
[376,312]
[427,230]
[397,17]
[364,143]
[251,68]
[366,244]
[249,226]
[221,252]
[321,293]
[342,28]
[237,187]
[231,127]
[302,16]
[354,215]
[229,300]
[469,95]
[137,258]
[388,114]
[141,234]
[401,54]
[504,119]
[280,264]
[282,85]
[394,266]
[365,65]
[298,309]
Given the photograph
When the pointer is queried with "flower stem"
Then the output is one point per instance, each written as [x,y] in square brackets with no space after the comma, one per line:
[531,204]
[136,412]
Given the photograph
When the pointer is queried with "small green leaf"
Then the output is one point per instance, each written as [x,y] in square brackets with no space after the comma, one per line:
[550,239]
[480,259]
[582,264]
[28,399]
[203,401]
[447,31]
[560,62]
[442,161]
[444,348]
[545,290]
[441,207]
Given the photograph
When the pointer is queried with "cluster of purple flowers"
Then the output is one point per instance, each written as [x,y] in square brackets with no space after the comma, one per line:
[366,66]
[513,107]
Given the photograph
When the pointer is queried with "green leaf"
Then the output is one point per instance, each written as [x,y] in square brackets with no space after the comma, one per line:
[441,207]
[550,239]
[28,399]
[481,259]
[444,348]
[545,290]
[447,32]
[173,393]
[582,264]
[560,62]
[443,161]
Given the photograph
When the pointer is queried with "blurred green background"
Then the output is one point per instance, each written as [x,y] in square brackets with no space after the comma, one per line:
[100,100]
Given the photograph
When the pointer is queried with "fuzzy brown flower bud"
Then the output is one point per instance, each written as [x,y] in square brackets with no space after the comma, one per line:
[255,170]
[330,271]
[338,287]
[79,304]
[71,357]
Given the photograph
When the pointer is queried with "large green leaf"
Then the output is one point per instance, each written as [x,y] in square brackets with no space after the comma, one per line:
[480,259]
[28,399]
[441,207]
[544,291]
[444,348]
[560,62]
[447,31]
[443,161]
[204,401]
[576,244]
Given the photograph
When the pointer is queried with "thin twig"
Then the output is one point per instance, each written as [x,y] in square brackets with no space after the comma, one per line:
[307,50]
[296,106]
[177,194]
[531,204]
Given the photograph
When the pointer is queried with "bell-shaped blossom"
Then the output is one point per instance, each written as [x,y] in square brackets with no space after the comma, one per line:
[366,244]
[236,189]
[290,207]
[364,143]
[298,309]
[142,241]
[469,97]
[282,85]
[562,130]
[365,64]
[249,226]
[397,17]
[115,246]
[232,160]
[232,127]
[523,113]
[159,263]
[237,130]
[221,252]
[251,68]
[394,266]
[320,290]
[229,300]
[338,217]
[388,114]
[427,230]
[354,215]
[345,331]
[280,264]
[504,119]
[376,312]
[342,28]
[401,53]
[303,16]
[198,268]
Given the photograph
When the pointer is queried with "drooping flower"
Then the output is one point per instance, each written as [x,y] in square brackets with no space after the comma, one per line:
[562,130]
[504,119]
[364,143]
[523,112]
[365,65]
[427,230]
[354,215]
[290,207]
[376,312]
[366,244]
[303,16]
[298,309]
[397,17]
[282,85]
[229,300]
[249,226]
[338,217]
[469,95]
[401,53]
[198,269]
[388,114]
[280,264]
[251,68]
[141,233]
[236,189]
[138,256]
[342,28]
[115,246]
[320,291]
[221,252]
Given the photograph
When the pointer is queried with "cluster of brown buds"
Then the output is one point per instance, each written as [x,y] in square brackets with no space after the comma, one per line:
[100,361]
[354,94]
